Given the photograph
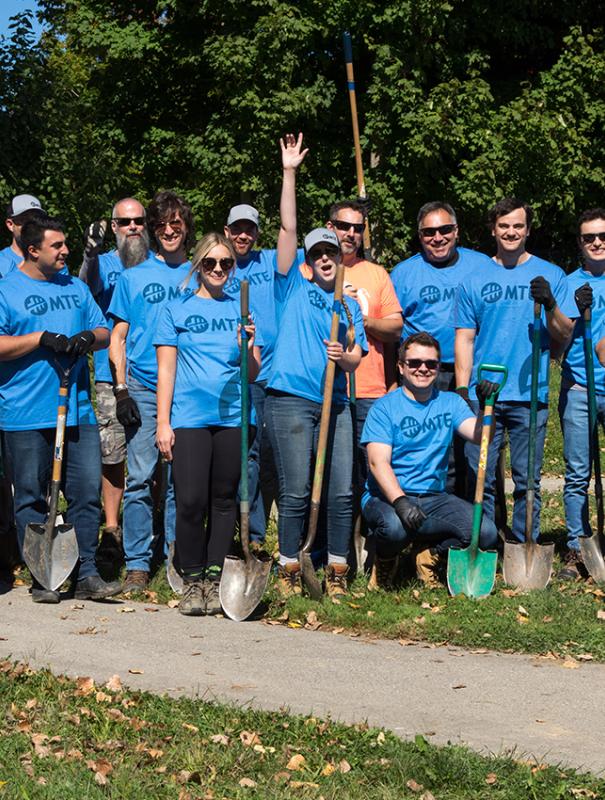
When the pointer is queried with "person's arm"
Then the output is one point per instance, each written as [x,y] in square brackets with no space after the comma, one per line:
[600,351]
[254,352]
[464,346]
[101,341]
[379,461]
[560,327]
[94,237]
[12,347]
[347,360]
[472,427]
[117,352]
[292,156]
[164,436]
[386,329]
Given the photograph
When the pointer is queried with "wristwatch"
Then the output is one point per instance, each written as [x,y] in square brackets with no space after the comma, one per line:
[120,388]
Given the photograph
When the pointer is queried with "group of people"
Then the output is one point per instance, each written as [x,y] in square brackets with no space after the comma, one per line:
[161,315]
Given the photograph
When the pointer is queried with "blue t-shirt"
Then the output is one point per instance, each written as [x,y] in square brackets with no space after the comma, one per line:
[420,435]
[574,364]
[110,269]
[304,315]
[8,261]
[207,387]
[138,299]
[427,295]
[29,385]
[496,302]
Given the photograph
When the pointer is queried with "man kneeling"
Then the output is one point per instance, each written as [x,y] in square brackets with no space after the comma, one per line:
[408,434]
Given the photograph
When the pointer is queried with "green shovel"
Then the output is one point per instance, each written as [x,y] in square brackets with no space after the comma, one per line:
[471,571]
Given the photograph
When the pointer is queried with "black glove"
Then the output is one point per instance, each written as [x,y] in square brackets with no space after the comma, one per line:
[463,392]
[94,237]
[411,515]
[127,411]
[540,292]
[57,342]
[486,389]
[583,297]
[81,343]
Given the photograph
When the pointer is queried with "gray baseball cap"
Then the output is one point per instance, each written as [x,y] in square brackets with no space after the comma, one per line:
[243,212]
[23,202]
[321,236]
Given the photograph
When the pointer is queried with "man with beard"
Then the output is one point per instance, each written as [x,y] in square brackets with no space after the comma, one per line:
[100,272]
[20,210]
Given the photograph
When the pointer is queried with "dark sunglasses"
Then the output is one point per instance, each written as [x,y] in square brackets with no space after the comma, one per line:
[341,225]
[208,264]
[176,225]
[415,363]
[319,252]
[589,238]
[428,233]
[124,222]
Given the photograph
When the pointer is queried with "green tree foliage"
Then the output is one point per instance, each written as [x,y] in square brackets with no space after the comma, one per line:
[463,101]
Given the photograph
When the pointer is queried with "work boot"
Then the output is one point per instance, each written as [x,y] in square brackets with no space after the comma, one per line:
[110,550]
[211,584]
[383,574]
[427,567]
[42,595]
[193,601]
[336,580]
[289,579]
[95,588]
[571,566]
[136,581]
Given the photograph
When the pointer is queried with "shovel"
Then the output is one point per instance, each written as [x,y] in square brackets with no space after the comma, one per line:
[592,547]
[471,571]
[243,583]
[50,550]
[529,565]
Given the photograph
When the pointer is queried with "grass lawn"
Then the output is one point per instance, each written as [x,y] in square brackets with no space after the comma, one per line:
[63,740]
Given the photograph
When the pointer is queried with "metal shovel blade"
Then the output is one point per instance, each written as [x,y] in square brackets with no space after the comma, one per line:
[172,574]
[592,555]
[473,577]
[243,584]
[527,565]
[309,576]
[50,552]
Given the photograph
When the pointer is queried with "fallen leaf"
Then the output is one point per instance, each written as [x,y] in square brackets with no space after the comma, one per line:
[220,738]
[151,610]
[247,783]
[249,738]
[77,606]
[601,614]
[303,785]
[419,620]
[311,621]
[337,630]
[583,793]
[427,796]
[117,715]
[509,592]
[281,776]
[344,766]
[353,605]
[296,763]
[126,610]
[135,671]
[522,620]
[328,770]
[585,657]
[547,619]
[570,663]
[371,613]
[103,697]
[380,739]
[416,594]
[154,753]
[114,684]
[491,779]
[459,686]
[294,624]
[173,604]
[523,611]
[32,703]
[189,727]
[413,786]
[84,686]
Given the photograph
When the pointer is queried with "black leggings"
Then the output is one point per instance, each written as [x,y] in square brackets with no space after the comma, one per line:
[206,472]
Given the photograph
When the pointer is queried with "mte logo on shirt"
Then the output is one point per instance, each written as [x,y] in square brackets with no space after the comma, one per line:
[410,427]
[234,284]
[112,278]
[318,300]
[197,324]
[38,305]
[492,292]
[430,294]
[156,293]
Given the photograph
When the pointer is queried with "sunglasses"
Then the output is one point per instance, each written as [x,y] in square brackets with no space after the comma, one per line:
[176,225]
[319,252]
[124,222]
[415,363]
[208,264]
[341,225]
[428,233]
[589,238]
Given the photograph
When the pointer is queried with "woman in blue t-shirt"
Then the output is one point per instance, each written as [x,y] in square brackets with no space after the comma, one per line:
[199,418]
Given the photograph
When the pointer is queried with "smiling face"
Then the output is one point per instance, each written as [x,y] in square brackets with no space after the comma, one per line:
[324,260]
[243,234]
[511,232]
[214,268]
[438,233]
[348,225]
[171,235]
[51,254]
[417,375]
[593,252]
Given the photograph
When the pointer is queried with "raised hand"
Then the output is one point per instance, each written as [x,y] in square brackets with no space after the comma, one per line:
[292,154]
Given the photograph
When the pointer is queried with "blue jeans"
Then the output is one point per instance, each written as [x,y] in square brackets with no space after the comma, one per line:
[448,523]
[142,455]
[29,456]
[360,412]
[514,418]
[261,468]
[573,413]
[293,428]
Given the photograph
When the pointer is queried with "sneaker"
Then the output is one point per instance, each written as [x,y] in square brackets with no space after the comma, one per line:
[95,588]
[571,566]
[427,567]
[193,601]
[136,581]
[42,595]
[289,579]
[336,580]
[383,574]
[110,550]
[211,584]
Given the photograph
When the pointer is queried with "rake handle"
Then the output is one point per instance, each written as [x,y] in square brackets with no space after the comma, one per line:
[533,420]
[593,440]
[244,505]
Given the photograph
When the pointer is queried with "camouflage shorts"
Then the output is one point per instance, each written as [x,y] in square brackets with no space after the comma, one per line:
[113,438]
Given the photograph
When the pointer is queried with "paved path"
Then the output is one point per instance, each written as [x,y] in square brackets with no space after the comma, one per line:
[490,702]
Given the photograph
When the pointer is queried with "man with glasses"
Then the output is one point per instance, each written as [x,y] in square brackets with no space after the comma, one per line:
[101,271]
[494,319]
[139,296]
[408,435]
[588,286]
[20,210]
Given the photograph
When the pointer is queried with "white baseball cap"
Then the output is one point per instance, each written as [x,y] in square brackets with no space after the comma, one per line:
[23,202]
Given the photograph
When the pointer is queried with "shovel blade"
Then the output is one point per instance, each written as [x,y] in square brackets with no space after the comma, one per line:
[309,576]
[473,577]
[592,555]
[527,566]
[174,577]
[51,553]
[242,586]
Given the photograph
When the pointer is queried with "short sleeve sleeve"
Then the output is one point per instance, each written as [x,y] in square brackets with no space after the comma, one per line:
[120,306]
[166,332]
[464,310]
[378,426]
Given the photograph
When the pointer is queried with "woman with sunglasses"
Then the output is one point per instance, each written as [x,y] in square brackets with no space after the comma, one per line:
[199,417]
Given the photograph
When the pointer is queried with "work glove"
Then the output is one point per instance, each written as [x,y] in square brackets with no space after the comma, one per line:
[57,342]
[462,391]
[127,411]
[486,389]
[80,344]
[94,237]
[583,297]
[410,514]
[540,291]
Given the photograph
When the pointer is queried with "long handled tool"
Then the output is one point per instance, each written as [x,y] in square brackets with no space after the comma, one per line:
[358,539]
[529,565]
[243,583]
[50,550]
[472,571]
[308,571]
[593,547]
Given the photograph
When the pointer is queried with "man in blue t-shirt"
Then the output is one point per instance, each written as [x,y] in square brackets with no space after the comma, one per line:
[138,298]
[494,315]
[49,319]
[408,435]
[20,210]
[588,286]
[101,272]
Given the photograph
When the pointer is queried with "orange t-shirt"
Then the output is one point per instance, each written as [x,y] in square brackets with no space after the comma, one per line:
[376,297]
